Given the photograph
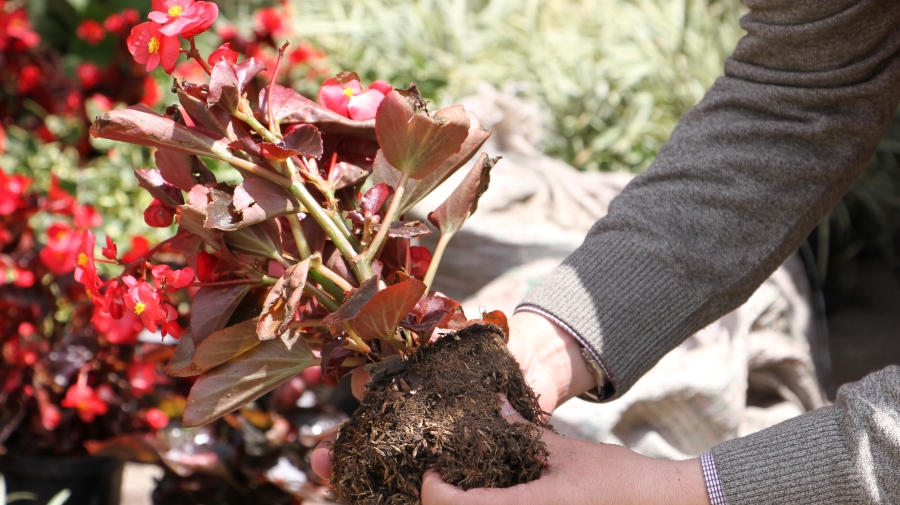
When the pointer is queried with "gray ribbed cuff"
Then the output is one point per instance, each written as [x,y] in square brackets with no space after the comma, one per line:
[802,461]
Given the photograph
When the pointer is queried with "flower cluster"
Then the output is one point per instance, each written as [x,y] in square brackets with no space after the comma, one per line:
[157,42]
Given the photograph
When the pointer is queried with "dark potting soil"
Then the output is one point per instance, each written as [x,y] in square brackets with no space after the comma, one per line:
[439,410]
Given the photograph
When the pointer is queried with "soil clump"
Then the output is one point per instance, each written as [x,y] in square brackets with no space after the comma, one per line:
[439,410]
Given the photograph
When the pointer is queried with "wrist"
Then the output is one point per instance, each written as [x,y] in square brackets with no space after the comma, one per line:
[543,347]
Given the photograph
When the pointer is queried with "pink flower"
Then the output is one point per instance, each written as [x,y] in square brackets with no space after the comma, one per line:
[82,397]
[139,247]
[170,326]
[12,192]
[349,99]
[150,47]
[110,251]
[186,18]
[143,300]
[142,377]
[121,331]
[86,216]
[91,32]
[173,280]
[15,27]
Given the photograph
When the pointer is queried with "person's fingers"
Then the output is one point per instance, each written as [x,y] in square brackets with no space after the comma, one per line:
[358,382]
[320,459]
[508,412]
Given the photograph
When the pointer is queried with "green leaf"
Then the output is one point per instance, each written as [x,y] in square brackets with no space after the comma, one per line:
[379,317]
[413,141]
[244,379]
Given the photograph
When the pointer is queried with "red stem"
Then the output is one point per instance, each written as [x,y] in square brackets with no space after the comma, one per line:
[269,107]
[235,282]
[195,54]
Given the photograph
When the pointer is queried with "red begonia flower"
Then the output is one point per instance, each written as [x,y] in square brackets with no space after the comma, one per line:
[15,27]
[61,252]
[157,419]
[91,32]
[59,201]
[224,51]
[170,326]
[12,192]
[270,22]
[110,252]
[29,78]
[303,54]
[152,94]
[86,269]
[158,214]
[86,216]
[50,416]
[419,260]
[121,331]
[89,74]
[143,300]
[82,397]
[206,266]
[186,18]
[139,247]
[142,377]
[172,279]
[349,100]
[151,48]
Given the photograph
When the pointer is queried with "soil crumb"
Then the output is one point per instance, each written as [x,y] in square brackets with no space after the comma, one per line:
[439,410]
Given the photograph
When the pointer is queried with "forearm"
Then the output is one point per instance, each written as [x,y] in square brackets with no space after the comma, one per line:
[745,177]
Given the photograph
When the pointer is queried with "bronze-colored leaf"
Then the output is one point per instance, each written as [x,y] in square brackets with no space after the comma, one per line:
[261,239]
[198,111]
[212,307]
[182,170]
[224,87]
[407,229]
[159,188]
[416,190]
[379,317]
[219,347]
[412,140]
[244,379]
[191,219]
[462,203]
[257,200]
[353,303]
[292,107]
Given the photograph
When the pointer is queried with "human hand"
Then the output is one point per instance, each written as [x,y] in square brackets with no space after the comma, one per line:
[585,473]
[550,358]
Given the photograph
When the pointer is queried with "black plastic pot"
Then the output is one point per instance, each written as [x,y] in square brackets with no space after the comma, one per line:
[92,481]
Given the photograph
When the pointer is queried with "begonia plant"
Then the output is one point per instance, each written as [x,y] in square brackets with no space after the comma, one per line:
[308,260]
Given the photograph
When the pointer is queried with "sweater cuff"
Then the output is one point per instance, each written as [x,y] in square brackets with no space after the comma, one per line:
[711,477]
[784,463]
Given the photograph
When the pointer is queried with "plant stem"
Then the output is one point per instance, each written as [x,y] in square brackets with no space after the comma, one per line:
[311,289]
[363,270]
[372,249]
[258,127]
[274,126]
[299,236]
[333,276]
[330,287]
[255,169]
[357,340]
[342,225]
[236,282]
[436,260]
[195,54]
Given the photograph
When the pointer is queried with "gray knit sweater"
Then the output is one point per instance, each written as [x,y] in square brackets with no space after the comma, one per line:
[745,177]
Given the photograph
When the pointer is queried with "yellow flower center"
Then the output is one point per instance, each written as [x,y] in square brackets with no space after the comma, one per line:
[153,46]
[175,11]
[348,92]
[82,260]
[139,308]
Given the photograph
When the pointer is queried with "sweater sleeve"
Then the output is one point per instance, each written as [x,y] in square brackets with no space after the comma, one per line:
[845,453]
[745,177]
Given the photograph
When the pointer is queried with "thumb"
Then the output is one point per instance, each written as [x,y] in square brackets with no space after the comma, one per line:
[508,412]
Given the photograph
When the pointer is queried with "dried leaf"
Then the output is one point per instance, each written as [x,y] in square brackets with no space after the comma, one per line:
[462,203]
[153,182]
[417,190]
[407,229]
[413,141]
[244,379]
[353,303]
[379,317]
[282,301]
[212,307]
[139,125]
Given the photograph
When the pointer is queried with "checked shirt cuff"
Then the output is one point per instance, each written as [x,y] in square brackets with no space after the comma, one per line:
[711,476]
